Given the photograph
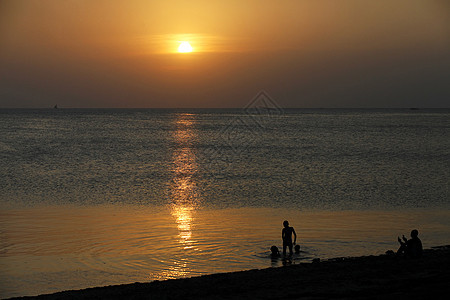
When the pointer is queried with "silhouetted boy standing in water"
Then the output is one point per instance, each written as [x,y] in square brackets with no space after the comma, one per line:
[286,235]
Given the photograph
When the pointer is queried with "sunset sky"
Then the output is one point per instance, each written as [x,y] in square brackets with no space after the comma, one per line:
[304,53]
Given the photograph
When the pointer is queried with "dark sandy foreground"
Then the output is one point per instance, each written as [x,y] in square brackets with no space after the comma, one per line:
[372,277]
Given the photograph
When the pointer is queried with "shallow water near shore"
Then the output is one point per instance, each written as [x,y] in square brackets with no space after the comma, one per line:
[50,249]
[93,197]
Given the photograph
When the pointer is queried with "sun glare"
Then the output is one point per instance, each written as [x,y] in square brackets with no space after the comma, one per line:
[185,47]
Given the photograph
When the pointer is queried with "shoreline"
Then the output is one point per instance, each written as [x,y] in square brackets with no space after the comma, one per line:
[365,277]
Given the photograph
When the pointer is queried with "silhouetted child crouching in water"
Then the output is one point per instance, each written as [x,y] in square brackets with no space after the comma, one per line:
[274,252]
[411,247]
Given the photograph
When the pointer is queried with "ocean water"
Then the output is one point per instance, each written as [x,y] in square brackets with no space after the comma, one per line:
[93,197]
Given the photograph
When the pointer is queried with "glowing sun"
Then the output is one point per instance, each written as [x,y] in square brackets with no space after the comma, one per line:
[185,47]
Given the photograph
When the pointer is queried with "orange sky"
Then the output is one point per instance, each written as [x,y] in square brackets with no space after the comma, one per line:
[317,53]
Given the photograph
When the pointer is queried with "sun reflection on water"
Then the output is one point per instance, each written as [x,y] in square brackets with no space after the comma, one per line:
[184,196]
[177,270]
[184,219]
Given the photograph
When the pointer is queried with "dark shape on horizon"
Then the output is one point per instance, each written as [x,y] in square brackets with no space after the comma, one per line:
[286,235]
[412,247]
[56,106]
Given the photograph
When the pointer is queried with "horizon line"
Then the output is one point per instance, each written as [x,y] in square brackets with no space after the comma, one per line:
[282,108]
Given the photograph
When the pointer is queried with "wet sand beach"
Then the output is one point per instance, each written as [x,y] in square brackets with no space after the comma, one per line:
[367,277]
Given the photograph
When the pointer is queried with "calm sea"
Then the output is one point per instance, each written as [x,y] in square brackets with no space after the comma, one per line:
[109,196]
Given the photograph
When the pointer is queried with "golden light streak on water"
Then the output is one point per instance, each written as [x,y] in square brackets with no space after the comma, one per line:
[184,220]
[184,196]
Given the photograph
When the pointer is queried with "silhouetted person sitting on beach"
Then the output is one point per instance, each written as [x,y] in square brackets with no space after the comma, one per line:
[297,249]
[274,252]
[286,235]
[411,247]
